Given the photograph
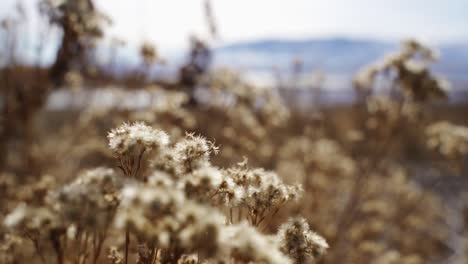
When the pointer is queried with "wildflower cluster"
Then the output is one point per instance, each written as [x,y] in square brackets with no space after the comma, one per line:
[299,242]
[126,138]
[450,142]
[194,152]
[74,212]
[175,214]
[166,219]
[259,191]
[248,245]
[130,142]
[408,70]
[448,139]
[95,190]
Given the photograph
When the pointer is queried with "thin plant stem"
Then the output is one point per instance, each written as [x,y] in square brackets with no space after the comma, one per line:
[127,244]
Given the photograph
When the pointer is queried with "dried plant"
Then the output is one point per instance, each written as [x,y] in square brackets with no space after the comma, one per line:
[154,193]
[81,24]
[450,142]
[172,213]
[408,71]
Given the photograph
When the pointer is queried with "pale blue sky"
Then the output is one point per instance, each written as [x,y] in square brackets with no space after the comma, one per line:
[169,22]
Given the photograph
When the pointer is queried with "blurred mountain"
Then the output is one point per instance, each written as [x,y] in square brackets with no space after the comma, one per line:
[331,55]
[339,58]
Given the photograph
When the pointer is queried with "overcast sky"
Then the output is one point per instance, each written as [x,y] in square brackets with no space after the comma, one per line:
[169,22]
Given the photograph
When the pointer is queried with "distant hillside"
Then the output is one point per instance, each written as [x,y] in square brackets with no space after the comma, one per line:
[336,56]
[329,54]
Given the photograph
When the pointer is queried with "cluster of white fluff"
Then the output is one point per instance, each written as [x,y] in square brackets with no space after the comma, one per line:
[187,166]
[127,137]
[194,152]
[448,139]
[89,202]
[170,220]
[259,190]
[32,219]
[204,184]
[250,246]
[300,243]
[167,218]
[408,69]
[172,212]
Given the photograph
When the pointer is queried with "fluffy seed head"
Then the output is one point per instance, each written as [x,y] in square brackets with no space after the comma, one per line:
[126,137]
